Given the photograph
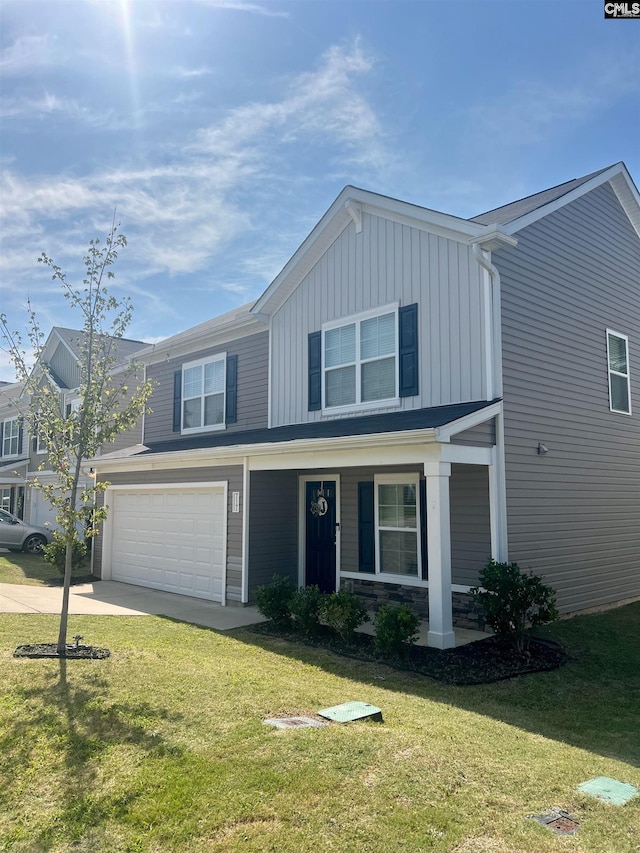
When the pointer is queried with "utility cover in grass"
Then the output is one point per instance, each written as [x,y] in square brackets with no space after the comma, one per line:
[609,790]
[558,821]
[294,723]
[349,712]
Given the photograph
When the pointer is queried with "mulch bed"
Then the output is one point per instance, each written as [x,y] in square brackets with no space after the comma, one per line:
[482,662]
[50,650]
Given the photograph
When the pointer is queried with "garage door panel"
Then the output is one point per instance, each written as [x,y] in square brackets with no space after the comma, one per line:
[170,538]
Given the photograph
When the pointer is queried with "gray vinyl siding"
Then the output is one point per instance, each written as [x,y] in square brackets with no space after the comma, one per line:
[483,435]
[386,263]
[132,436]
[470,522]
[232,474]
[65,367]
[574,513]
[273,531]
[253,376]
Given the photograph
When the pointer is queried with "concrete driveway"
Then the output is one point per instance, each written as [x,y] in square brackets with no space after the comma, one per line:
[110,598]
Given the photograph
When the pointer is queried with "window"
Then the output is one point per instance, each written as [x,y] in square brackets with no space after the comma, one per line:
[5,499]
[397,516]
[618,360]
[11,437]
[360,360]
[203,394]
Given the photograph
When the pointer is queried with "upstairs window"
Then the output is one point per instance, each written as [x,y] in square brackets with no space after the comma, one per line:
[203,394]
[618,361]
[360,360]
[11,437]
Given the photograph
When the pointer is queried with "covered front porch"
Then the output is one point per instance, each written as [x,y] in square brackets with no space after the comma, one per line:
[404,517]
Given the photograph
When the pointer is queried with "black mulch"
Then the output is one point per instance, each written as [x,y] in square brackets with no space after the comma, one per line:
[50,650]
[482,662]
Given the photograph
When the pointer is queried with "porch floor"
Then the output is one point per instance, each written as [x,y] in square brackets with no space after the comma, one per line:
[463,635]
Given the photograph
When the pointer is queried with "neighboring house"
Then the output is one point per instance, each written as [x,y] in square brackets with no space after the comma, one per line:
[14,454]
[412,394]
[60,356]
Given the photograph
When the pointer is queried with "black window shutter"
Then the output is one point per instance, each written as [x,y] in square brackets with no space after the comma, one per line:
[366,529]
[422,519]
[1,438]
[315,371]
[20,435]
[408,349]
[177,401]
[67,410]
[231,405]
[34,443]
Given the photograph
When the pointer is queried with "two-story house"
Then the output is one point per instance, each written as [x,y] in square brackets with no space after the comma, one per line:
[14,455]
[413,393]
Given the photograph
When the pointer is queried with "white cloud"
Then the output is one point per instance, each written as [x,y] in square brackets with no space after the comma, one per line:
[27,54]
[239,6]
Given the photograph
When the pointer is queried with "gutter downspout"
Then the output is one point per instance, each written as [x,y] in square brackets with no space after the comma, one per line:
[497,477]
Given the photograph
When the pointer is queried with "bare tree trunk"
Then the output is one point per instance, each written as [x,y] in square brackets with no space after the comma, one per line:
[64,613]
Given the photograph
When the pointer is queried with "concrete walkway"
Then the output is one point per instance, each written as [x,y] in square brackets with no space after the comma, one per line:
[110,598]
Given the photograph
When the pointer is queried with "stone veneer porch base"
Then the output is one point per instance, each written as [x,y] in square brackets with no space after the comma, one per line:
[466,613]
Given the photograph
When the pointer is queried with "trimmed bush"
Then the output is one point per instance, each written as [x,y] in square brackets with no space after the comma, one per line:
[274,600]
[513,600]
[55,554]
[344,612]
[306,607]
[396,629]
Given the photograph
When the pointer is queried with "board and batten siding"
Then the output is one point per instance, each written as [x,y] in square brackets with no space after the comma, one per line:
[253,381]
[232,474]
[574,512]
[65,366]
[387,262]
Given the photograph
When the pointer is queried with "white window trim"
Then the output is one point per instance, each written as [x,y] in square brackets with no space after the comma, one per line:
[357,319]
[10,455]
[220,356]
[404,480]
[626,375]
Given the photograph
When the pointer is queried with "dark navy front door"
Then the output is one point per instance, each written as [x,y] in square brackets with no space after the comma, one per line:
[320,513]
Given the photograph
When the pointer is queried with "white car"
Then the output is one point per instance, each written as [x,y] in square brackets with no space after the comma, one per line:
[18,536]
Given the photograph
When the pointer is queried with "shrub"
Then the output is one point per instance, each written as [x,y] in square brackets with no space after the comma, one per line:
[55,553]
[396,629]
[274,600]
[344,612]
[512,600]
[306,607]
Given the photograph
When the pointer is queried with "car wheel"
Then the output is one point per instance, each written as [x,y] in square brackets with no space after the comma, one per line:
[34,544]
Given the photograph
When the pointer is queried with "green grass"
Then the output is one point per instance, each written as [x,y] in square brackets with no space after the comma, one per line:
[28,569]
[162,746]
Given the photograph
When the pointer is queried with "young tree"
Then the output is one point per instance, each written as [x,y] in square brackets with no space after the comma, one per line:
[108,405]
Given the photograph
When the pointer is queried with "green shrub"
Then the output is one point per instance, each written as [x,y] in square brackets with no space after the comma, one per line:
[274,600]
[306,607]
[512,600]
[344,612]
[55,554]
[396,629]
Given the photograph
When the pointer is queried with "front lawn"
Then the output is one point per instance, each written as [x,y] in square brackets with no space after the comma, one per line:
[31,569]
[162,746]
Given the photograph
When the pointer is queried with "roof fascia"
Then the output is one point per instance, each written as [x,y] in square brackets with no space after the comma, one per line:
[621,182]
[348,207]
[193,339]
[444,432]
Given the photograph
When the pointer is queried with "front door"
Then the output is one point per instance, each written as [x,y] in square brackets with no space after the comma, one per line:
[320,553]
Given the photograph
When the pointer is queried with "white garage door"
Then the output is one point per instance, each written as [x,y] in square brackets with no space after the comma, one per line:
[171,539]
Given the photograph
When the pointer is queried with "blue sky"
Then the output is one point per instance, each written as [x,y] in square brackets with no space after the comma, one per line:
[221,130]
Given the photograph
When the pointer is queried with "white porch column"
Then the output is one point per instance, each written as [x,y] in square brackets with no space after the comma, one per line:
[441,634]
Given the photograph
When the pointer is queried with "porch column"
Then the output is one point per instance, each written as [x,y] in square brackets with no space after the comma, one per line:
[441,634]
